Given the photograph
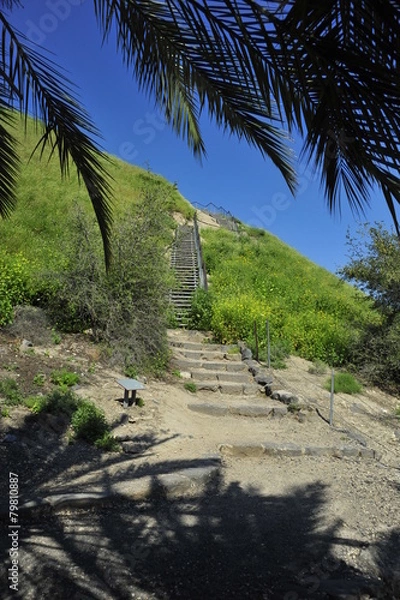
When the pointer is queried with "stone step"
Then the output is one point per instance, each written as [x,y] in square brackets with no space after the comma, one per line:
[265,410]
[231,389]
[290,449]
[191,335]
[221,376]
[184,267]
[217,354]
[202,355]
[203,346]
[185,364]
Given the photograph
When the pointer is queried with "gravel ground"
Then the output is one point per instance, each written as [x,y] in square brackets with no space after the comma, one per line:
[270,528]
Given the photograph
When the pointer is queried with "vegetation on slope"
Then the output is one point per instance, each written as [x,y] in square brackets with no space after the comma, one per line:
[255,277]
[52,257]
[41,224]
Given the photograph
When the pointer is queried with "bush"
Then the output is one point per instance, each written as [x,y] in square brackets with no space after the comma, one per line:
[57,402]
[64,378]
[127,307]
[131,371]
[108,443]
[279,352]
[190,387]
[200,314]
[344,383]
[14,285]
[9,390]
[89,422]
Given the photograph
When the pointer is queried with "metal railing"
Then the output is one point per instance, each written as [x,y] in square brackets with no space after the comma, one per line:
[223,217]
[200,261]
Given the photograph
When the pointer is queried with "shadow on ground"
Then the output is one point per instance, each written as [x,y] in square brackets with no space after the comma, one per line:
[224,542]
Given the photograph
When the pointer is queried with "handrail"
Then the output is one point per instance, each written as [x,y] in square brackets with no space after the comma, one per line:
[218,210]
[200,260]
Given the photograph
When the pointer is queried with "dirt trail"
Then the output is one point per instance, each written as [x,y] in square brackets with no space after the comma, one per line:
[294,511]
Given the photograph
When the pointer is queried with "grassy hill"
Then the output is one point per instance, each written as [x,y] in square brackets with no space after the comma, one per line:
[253,275]
[41,223]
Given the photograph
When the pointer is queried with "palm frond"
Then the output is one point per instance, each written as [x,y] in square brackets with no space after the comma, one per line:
[195,56]
[36,86]
[343,57]
[9,163]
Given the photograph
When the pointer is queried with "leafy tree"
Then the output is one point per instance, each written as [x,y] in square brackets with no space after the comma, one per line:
[127,307]
[375,268]
[326,69]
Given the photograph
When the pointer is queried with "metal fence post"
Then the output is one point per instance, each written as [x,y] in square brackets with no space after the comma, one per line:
[332,398]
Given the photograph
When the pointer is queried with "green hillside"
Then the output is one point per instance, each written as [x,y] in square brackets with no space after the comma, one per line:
[41,223]
[253,275]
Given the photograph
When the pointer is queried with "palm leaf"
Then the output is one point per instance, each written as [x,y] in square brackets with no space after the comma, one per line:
[9,163]
[196,56]
[327,69]
[36,86]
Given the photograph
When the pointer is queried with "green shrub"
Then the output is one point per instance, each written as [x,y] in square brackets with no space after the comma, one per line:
[89,422]
[14,284]
[9,390]
[279,352]
[55,336]
[108,443]
[5,412]
[397,412]
[344,383]
[190,387]
[201,311]
[57,402]
[293,408]
[63,377]
[34,403]
[140,402]
[131,371]
[39,379]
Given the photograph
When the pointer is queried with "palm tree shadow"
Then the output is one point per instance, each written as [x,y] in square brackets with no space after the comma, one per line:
[222,542]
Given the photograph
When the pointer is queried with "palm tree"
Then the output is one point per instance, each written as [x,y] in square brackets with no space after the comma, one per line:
[261,70]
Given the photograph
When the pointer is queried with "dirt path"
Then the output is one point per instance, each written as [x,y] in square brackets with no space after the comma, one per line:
[281,527]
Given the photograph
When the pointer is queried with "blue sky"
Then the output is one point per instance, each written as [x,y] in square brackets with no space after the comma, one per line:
[233,175]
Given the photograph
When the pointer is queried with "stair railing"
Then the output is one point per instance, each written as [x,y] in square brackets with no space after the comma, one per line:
[200,261]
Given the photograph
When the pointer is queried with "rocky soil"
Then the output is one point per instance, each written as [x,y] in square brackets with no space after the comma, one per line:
[273,525]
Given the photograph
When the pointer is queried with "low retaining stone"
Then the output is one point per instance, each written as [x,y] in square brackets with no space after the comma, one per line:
[289,449]
[244,410]
[284,396]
